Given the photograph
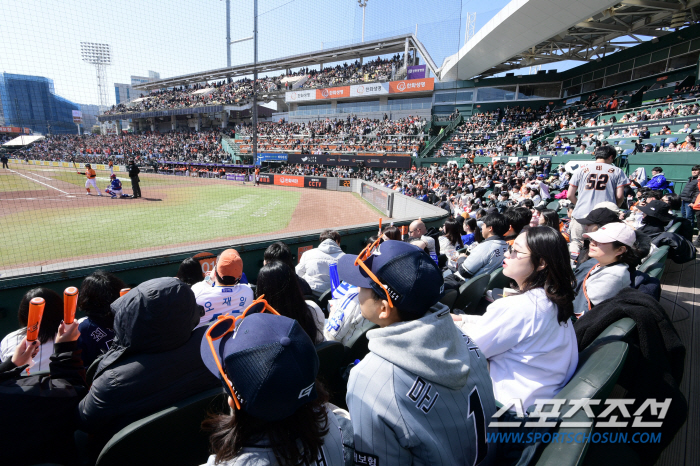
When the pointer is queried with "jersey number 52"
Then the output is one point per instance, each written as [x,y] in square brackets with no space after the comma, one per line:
[597,181]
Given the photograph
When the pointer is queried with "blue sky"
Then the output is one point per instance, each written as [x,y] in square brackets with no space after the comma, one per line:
[174,37]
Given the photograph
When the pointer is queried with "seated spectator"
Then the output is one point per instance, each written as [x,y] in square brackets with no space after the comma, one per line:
[391,232]
[279,412]
[153,362]
[486,257]
[53,315]
[277,284]
[42,407]
[517,218]
[472,233]
[225,293]
[313,265]
[417,230]
[279,251]
[451,241]
[598,217]
[549,218]
[190,271]
[418,356]
[658,180]
[529,338]
[615,247]
[655,218]
[97,292]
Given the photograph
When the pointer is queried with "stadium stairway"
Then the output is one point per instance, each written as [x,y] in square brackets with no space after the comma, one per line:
[437,141]
[230,146]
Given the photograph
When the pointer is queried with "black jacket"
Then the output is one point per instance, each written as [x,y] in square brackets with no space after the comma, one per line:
[133,170]
[681,250]
[38,411]
[690,190]
[654,368]
[154,359]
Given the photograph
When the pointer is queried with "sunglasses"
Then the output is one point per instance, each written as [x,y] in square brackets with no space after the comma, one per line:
[360,261]
[226,324]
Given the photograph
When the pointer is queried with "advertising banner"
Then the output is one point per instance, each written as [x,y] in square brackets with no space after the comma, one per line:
[271,157]
[388,161]
[361,90]
[300,96]
[416,72]
[77,116]
[333,93]
[289,180]
[315,182]
[411,85]
[235,177]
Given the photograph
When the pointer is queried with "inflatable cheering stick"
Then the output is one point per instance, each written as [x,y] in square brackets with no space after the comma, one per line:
[36,311]
[70,303]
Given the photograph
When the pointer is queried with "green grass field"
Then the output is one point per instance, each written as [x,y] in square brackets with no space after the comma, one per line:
[185,214]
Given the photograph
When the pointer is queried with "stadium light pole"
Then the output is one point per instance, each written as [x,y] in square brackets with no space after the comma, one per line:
[255,81]
[363,6]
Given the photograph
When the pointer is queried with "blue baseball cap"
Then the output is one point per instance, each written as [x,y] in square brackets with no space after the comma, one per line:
[271,363]
[411,277]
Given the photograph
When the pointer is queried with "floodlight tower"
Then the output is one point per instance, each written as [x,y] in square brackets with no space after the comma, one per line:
[363,6]
[99,55]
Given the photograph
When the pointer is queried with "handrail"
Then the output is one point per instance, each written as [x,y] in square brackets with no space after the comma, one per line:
[437,139]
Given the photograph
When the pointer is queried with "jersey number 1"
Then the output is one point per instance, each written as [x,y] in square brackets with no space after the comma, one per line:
[476,412]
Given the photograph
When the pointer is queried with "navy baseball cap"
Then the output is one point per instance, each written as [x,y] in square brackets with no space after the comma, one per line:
[411,277]
[271,363]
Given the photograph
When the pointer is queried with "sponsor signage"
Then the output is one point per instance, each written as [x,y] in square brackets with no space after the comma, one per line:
[301,250]
[416,72]
[270,157]
[77,116]
[289,180]
[13,129]
[352,160]
[361,90]
[315,182]
[235,177]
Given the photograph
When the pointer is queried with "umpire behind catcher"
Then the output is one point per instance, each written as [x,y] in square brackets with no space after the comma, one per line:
[134,175]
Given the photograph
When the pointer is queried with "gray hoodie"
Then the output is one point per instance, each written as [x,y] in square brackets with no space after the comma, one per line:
[422,395]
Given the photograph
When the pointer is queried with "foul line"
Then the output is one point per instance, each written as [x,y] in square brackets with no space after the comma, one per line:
[37,181]
[40,176]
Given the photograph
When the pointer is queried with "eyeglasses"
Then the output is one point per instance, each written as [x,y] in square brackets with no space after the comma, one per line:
[362,257]
[226,324]
[512,250]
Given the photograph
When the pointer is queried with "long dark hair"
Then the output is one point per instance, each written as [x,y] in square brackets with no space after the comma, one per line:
[548,246]
[97,292]
[453,232]
[190,271]
[551,218]
[53,312]
[392,232]
[294,440]
[280,286]
[474,227]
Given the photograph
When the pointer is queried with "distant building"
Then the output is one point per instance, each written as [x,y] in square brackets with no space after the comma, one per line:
[31,102]
[90,113]
[126,93]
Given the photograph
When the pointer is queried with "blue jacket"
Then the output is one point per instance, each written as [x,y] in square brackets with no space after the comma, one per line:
[657,182]
[116,185]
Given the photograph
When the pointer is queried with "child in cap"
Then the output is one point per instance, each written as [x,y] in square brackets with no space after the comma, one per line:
[616,248]
[279,415]
[423,393]
[224,293]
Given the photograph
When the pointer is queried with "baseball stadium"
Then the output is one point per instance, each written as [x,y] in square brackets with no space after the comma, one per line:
[373,233]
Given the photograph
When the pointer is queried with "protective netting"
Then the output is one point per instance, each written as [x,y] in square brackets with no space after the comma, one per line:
[70,96]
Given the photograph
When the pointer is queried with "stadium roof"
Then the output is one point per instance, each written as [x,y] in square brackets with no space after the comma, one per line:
[22,140]
[535,32]
[352,52]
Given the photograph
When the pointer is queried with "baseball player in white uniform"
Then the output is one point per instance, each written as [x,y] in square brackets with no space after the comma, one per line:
[592,183]
[224,294]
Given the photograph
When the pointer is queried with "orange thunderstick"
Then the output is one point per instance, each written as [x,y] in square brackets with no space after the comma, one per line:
[70,303]
[124,291]
[36,311]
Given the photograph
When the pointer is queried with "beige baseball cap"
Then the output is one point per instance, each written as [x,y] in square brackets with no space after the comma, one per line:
[613,232]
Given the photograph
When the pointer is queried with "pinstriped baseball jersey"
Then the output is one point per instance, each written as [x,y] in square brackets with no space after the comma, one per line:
[423,395]
[596,182]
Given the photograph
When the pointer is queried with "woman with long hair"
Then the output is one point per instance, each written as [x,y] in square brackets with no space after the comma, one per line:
[279,285]
[279,415]
[528,337]
[97,292]
[450,241]
[550,218]
[618,250]
[52,317]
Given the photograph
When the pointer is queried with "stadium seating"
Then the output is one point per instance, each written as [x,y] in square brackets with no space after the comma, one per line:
[471,292]
[178,427]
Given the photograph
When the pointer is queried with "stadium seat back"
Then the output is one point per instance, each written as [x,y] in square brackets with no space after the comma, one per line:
[471,292]
[554,205]
[331,356]
[598,369]
[170,436]
[498,280]
[656,261]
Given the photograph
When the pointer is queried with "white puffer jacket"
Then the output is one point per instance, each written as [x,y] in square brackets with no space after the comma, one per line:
[314,264]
